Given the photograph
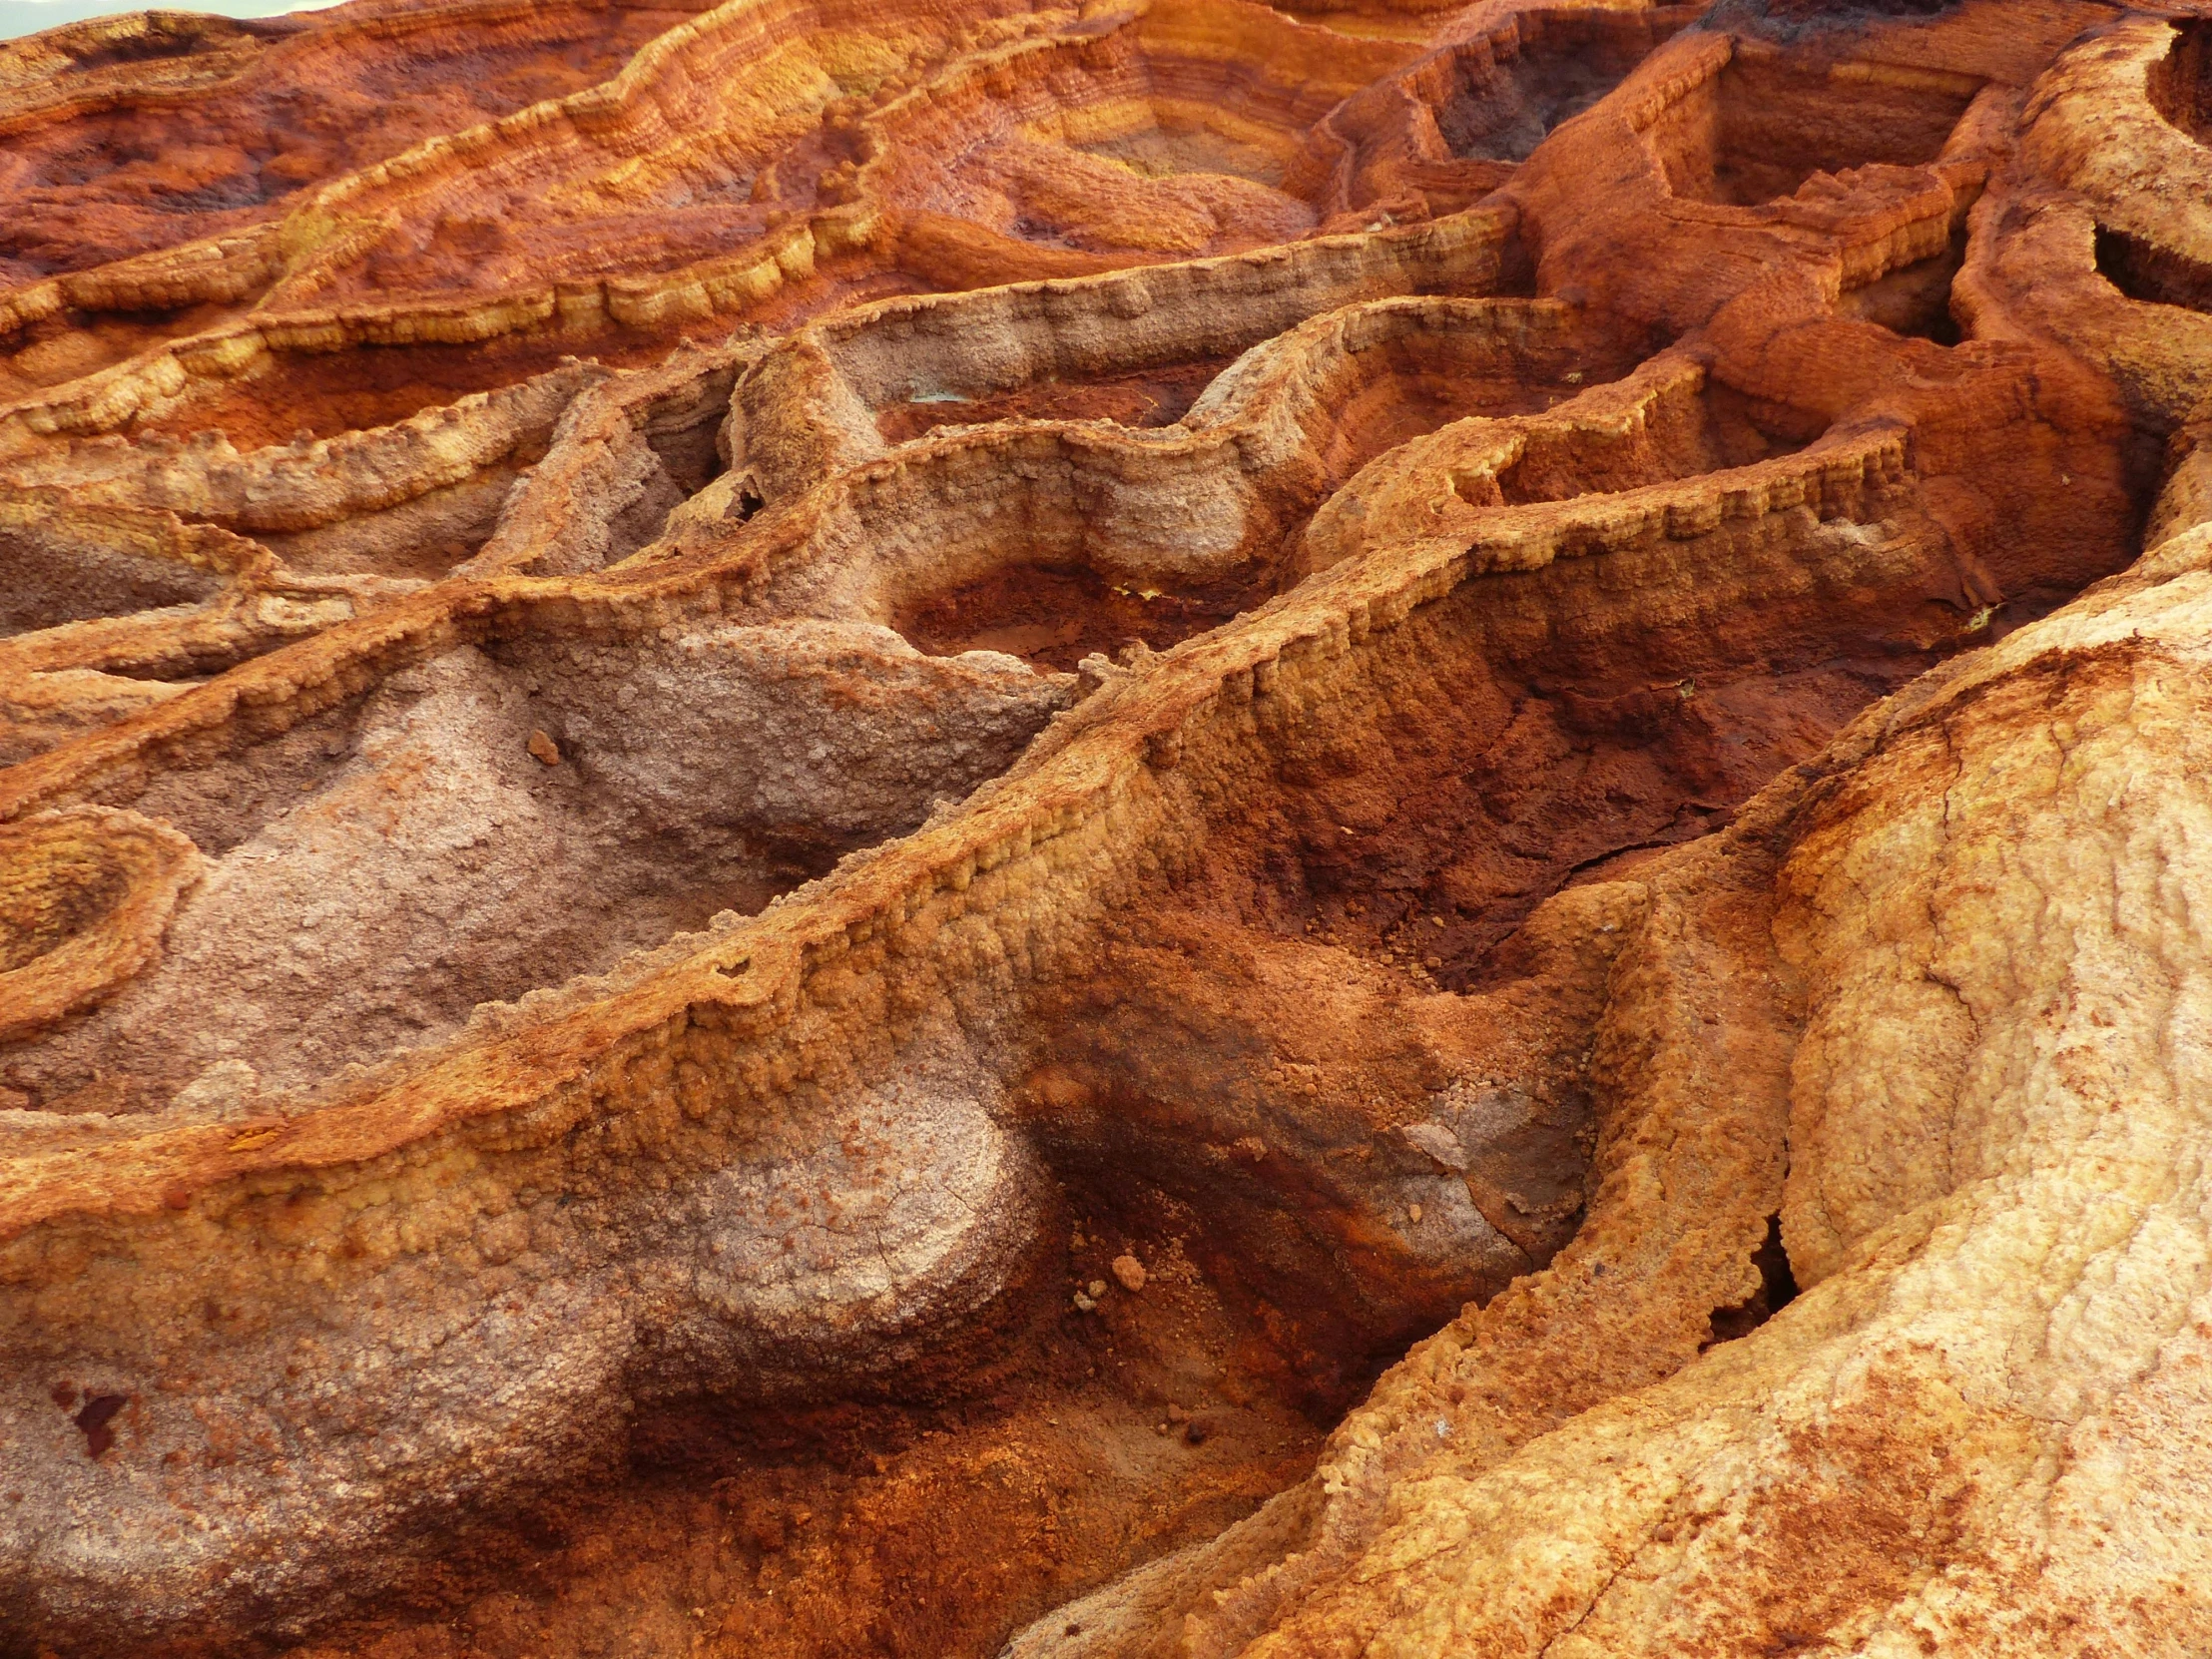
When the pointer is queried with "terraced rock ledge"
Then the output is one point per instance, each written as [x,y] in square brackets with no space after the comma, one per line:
[1146,829]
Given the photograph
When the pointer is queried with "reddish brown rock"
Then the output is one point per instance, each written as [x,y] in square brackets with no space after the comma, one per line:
[687,698]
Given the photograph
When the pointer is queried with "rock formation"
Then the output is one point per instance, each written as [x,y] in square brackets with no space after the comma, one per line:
[1145,828]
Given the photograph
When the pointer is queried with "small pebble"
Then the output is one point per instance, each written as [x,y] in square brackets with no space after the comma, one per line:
[543,748]
[1130,1272]
[1096,1288]
[1414,1211]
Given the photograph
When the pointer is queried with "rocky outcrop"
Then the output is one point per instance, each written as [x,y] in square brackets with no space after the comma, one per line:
[1142,829]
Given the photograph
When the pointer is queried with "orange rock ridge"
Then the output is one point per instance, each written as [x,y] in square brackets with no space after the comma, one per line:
[1136,828]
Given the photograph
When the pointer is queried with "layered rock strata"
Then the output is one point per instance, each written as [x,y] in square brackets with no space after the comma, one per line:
[1144,828]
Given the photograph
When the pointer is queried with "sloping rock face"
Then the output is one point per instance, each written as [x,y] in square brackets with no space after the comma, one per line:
[1154,828]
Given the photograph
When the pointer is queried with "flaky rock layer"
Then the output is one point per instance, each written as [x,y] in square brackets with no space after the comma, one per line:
[1146,829]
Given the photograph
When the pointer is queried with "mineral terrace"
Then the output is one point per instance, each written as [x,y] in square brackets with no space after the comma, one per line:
[1128,830]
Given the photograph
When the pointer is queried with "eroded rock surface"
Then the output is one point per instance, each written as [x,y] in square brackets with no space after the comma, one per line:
[1147,828]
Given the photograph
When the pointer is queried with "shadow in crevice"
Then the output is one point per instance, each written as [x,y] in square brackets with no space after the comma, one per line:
[1914,300]
[2155,276]
[1760,129]
[1778,1288]
[1503,97]
[1786,21]
[2177,86]
[56,577]
[164,36]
